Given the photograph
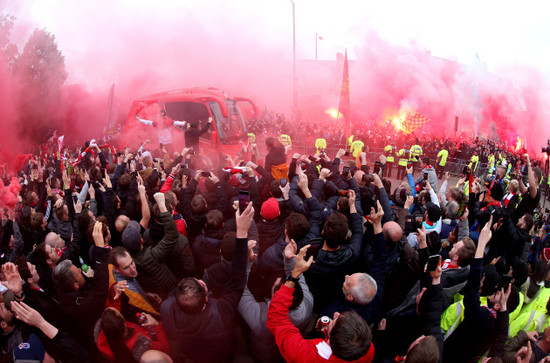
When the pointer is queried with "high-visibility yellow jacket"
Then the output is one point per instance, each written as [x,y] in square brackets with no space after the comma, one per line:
[403,157]
[356,148]
[443,154]
[416,152]
[285,140]
[388,149]
[320,144]
[474,160]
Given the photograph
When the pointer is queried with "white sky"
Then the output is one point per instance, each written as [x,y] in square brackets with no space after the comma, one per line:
[502,32]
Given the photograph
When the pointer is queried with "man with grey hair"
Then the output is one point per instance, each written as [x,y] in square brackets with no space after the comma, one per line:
[362,292]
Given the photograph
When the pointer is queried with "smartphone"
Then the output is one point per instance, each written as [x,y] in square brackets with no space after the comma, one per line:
[412,223]
[462,209]
[311,158]
[433,262]
[426,176]
[161,145]
[283,182]
[206,174]
[342,193]
[377,166]
[346,153]
[244,199]
[303,165]
[409,164]
[504,282]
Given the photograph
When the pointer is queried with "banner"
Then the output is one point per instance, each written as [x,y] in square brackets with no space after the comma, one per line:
[344,107]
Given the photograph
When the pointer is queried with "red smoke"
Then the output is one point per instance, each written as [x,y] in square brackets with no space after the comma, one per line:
[8,194]
[143,53]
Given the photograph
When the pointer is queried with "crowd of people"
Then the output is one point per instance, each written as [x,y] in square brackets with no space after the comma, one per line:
[145,256]
[379,135]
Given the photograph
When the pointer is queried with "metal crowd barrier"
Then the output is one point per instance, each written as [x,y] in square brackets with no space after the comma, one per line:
[454,168]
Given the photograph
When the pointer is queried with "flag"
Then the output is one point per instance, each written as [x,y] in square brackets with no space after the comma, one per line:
[60,143]
[344,107]
[456,123]
[414,121]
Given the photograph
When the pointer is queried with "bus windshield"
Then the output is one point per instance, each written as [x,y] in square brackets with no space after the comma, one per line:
[231,129]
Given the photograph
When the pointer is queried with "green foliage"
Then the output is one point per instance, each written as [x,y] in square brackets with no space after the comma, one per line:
[7,49]
[40,73]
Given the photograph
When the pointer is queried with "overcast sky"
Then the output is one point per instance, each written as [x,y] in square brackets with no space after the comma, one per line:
[502,33]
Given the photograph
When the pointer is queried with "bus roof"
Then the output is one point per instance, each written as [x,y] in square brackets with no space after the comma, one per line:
[186,94]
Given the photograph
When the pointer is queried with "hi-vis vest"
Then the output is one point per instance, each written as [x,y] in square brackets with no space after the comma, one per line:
[403,159]
[285,140]
[356,148]
[491,162]
[416,152]
[389,154]
[349,142]
[251,137]
[443,154]
[474,160]
[320,144]
[454,314]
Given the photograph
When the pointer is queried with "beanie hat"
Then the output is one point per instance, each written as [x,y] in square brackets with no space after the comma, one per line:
[497,192]
[490,283]
[131,237]
[270,209]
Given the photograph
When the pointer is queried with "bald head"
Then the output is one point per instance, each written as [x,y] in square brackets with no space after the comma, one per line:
[54,240]
[359,177]
[155,356]
[392,231]
[121,223]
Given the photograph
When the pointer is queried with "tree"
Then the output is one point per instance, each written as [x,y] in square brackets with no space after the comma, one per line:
[40,73]
[7,49]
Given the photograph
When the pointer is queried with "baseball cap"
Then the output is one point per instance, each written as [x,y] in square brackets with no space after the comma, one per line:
[29,351]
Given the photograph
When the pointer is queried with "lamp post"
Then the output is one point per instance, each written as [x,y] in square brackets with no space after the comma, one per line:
[317,37]
[294,100]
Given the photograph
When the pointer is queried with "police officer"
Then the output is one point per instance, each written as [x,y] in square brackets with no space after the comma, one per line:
[389,151]
[491,163]
[474,160]
[442,161]
[415,153]
[285,140]
[320,145]
[403,155]
[356,148]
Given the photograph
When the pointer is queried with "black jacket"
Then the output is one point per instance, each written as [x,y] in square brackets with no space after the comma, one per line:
[480,329]
[86,305]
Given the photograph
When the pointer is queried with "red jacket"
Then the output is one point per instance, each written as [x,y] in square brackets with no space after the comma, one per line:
[180,222]
[140,336]
[293,347]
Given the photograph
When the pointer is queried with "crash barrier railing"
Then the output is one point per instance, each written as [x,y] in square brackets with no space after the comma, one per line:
[454,167]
